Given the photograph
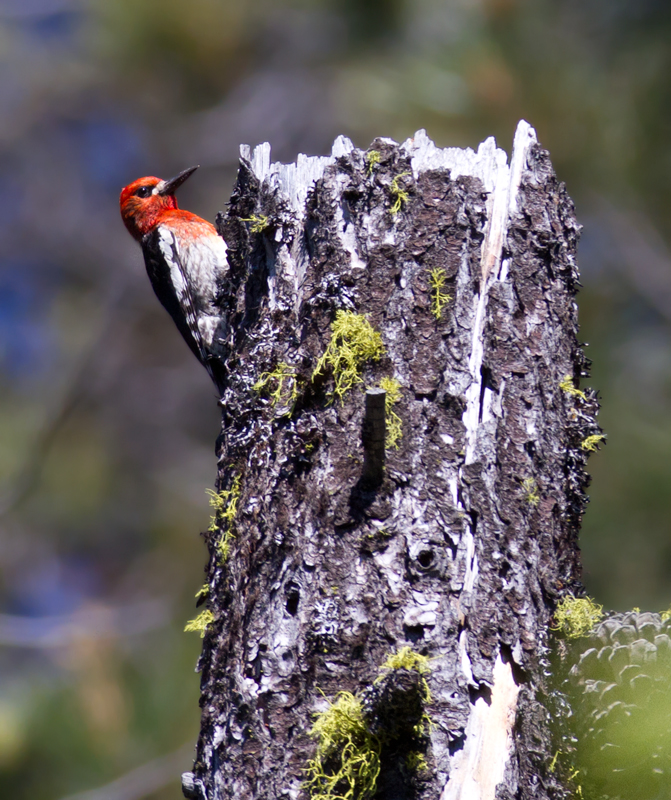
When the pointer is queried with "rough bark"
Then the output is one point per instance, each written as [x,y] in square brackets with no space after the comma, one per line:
[466,545]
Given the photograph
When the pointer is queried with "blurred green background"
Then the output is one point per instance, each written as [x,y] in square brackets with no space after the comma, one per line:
[107,423]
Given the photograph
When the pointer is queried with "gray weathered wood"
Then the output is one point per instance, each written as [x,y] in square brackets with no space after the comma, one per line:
[464,548]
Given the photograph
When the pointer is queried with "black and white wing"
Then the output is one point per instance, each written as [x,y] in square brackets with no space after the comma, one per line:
[171,285]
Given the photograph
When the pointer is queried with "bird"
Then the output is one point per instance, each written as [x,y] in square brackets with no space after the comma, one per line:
[186,262]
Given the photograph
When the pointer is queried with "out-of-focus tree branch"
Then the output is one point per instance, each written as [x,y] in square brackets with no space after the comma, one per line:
[141,781]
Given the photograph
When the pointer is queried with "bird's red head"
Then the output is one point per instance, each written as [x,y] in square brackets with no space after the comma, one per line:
[146,199]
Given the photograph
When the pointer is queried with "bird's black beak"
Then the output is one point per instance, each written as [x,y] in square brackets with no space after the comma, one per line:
[171,186]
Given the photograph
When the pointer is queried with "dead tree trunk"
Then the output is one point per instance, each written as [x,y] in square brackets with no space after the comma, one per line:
[452,275]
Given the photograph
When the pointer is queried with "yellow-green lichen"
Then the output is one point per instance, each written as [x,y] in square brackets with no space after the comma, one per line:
[200,623]
[531,493]
[394,425]
[567,385]
[400,195]
[573,774]
[347,762]
[565,771]
[576,616]
[224,545]
[416,761]
[591,443]
[439,298]
[372,158]
[354,341]
[225,505]
[346,765]
[273,384]
[203,592]
[258,222]
[407,658]
[666,615]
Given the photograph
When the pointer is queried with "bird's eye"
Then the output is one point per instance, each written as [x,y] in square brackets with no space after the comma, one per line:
[143,191]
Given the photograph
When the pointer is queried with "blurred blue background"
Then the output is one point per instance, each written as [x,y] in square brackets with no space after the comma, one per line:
[107,423]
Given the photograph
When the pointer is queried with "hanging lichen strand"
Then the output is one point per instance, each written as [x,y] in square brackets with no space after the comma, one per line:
[354,342]
[354,739]
[444,279]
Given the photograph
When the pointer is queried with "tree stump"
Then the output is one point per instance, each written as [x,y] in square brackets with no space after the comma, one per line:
[378,617]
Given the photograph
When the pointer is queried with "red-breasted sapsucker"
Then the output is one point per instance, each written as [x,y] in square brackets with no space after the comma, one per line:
[186,262]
